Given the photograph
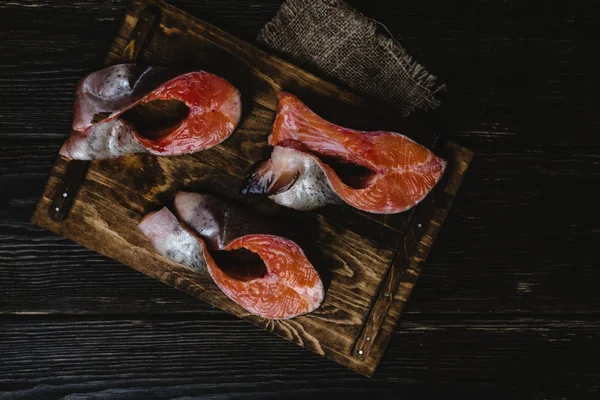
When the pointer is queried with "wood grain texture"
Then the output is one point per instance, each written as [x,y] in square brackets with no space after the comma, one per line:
[117,193]
[477,267]
[129,358]
[496,309]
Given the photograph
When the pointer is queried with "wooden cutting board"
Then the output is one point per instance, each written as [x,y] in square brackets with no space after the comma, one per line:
[369,262]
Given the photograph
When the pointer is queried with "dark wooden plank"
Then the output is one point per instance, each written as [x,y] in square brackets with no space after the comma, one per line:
[527,71]
[487,260]
[522,89]
[510,90]
[165,358]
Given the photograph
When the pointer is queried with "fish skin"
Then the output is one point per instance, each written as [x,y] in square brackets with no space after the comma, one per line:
[175,241]
[216,220]
[291,286]
[106,139]
[264,177]
[103,96]
[308,190]
[402,172]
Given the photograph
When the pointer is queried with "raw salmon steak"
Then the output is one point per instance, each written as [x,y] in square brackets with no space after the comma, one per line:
[102,97]
[381,172]
[283,285]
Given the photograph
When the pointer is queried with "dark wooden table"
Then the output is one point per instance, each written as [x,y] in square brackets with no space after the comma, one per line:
[508,303]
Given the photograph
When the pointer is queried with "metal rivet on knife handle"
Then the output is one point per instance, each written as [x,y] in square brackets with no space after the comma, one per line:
[140,34]
[63,199]
[76,170]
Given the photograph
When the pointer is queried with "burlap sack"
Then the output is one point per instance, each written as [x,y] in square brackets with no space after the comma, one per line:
[338,42]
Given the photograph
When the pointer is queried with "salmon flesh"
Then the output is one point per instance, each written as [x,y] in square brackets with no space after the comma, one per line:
[383,172]
[102,97]
[206,225]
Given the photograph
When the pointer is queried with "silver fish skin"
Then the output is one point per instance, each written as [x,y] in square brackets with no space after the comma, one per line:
[263,291]
[216,220]
[173,240]
[99,97]
[103,94]
[107,139]
[292,178]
